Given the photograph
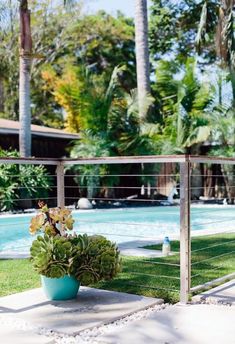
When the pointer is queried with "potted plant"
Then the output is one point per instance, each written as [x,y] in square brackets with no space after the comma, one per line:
[65,259]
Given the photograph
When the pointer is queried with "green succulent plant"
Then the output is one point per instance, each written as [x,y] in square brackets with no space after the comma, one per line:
[52,256]
[87,258]
[55,254]
[96,258]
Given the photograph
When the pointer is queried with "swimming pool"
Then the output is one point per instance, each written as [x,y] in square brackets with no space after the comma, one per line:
[121,225]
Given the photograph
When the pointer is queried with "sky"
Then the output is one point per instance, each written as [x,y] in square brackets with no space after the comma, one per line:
[111,6]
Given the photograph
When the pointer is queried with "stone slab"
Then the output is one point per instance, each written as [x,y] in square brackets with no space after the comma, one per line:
[224,294]
[190,324]
[9,335]
[92,308]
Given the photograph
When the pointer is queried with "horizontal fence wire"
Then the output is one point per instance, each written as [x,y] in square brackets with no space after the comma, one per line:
[121,175]
[158,262]
[35,187]
[119,199]
[228,231]
[211,222]
[139,187]
[212,175]
[211,269]
[213,246]
[122,223]
[121,187]
[150,287]
[32,199]
[123,235]
[32,175]
[211,258]
[13,224]
[16,248]
[152,275]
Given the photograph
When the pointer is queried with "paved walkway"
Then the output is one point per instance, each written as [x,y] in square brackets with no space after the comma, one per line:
[223,294]
[196,323]
[191,324]
[92,308]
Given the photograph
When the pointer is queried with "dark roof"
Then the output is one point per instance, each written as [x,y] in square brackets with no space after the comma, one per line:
[12,127]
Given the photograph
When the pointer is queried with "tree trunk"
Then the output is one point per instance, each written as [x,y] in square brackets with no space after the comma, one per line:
[1,94]
[24,82]
[25,111]
[225,42]
[142,53]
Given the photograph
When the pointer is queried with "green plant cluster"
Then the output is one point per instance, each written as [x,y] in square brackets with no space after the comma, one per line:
[56,253]
[51,256]
[21,182]
[88,258]
[96,258]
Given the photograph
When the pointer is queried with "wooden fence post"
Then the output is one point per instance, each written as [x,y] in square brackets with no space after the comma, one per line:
[185,241]
[60,185]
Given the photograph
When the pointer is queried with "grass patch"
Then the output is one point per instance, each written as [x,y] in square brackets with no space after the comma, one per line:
[142,276]
[205,249]
[17,275]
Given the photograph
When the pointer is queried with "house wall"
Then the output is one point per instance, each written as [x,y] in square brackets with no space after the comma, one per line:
[42,146]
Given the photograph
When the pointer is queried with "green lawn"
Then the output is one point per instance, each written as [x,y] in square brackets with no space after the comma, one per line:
[140,275]
[17,275]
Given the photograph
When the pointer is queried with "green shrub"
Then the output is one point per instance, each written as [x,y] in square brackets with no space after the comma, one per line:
[21,182]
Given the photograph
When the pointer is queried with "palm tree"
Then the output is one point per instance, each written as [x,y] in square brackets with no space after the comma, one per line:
[142,53]
[225,42]
[24,80]
[225,39]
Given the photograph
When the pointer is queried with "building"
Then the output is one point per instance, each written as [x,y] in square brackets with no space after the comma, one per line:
[46,142]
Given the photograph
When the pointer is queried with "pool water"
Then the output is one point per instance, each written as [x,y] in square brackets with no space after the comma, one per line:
[122,225]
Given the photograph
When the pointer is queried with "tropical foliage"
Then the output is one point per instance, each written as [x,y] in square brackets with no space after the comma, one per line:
[21,182]
[84,80]
[186,103]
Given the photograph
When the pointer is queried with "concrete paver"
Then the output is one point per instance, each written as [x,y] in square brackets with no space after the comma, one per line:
[8,335]
[178,324]
[190,324]
[93,307]
[224,293]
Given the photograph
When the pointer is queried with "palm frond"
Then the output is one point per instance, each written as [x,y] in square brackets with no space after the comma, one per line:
[198,135]
[201,33]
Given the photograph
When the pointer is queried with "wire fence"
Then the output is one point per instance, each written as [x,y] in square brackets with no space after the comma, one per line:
[136,202]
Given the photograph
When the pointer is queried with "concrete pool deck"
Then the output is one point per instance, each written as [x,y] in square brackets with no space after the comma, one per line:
[194,323]
[223,294]
[190,324]
[91,308]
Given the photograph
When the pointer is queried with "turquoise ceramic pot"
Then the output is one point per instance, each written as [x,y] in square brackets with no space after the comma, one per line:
[64,288]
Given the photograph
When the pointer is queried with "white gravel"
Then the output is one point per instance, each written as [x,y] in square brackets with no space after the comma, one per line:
[90,336]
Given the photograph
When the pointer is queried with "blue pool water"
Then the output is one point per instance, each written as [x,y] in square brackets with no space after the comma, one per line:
[122,225]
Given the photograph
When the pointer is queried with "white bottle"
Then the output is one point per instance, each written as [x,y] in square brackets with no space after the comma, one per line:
[166,247]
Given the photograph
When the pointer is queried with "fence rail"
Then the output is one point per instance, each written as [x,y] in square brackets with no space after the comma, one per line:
[217,242]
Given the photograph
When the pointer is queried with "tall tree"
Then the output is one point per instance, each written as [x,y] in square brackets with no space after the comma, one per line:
[225,39]
[225,42]
[173,27]
[142,53]
[24,80]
